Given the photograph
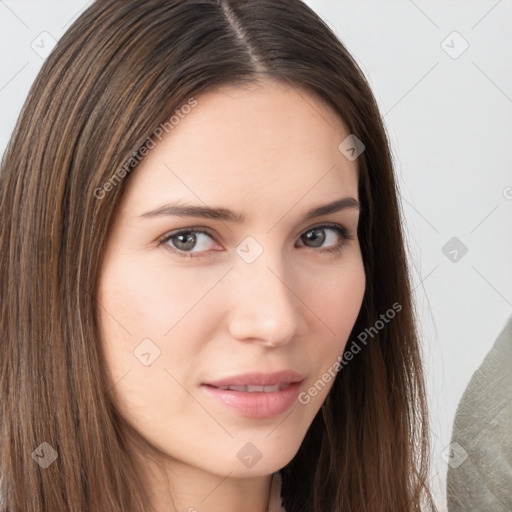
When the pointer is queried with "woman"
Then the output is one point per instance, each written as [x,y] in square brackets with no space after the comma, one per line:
[204,287]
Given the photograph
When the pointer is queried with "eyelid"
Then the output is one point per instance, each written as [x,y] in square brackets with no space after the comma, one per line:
[193,229]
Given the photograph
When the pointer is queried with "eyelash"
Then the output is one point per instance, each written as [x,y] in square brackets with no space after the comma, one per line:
[335,249]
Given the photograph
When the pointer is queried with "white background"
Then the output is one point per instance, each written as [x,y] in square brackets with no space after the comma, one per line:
[449,122]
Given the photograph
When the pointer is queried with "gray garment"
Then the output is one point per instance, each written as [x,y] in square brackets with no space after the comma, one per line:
[480,468]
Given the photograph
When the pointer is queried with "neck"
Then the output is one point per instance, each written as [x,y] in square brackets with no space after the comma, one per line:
[186,488]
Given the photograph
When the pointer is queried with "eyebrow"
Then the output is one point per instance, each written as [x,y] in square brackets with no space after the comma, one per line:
[206,212]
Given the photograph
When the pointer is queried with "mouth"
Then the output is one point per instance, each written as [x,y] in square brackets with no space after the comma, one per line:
[256,395]
[256,389]
[258,381]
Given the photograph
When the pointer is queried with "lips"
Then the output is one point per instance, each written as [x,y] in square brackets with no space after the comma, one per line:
[258,380]
[256,389]
[257,395]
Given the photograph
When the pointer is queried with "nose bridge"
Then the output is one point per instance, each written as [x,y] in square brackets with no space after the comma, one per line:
[264,306]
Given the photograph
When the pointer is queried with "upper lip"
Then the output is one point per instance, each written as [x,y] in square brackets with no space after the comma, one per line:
[259,379]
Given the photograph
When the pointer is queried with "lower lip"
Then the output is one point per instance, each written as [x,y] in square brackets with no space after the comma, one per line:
[256,405]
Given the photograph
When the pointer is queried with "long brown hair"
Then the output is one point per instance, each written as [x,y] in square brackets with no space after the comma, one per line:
[121,71]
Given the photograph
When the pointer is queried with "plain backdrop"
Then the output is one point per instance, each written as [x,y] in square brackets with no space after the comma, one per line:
[442,75]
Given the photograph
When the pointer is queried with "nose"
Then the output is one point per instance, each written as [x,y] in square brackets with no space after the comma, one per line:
[264,308]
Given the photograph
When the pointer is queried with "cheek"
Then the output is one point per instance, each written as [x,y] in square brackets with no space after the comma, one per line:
[150,338]
[335,302]
[150,308]
[147,299]
[337,297]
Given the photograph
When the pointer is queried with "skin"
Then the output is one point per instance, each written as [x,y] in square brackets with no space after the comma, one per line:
[271,152]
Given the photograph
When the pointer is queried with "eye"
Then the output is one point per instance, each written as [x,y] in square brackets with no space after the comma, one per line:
[181,242]
[317,237]
[185,239]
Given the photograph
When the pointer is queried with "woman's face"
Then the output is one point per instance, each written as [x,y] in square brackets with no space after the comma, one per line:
[278,291]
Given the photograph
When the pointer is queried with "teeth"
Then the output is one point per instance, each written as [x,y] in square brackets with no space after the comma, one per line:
[256,389]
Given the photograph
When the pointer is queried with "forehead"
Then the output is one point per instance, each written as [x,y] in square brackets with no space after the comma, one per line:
[266,144]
